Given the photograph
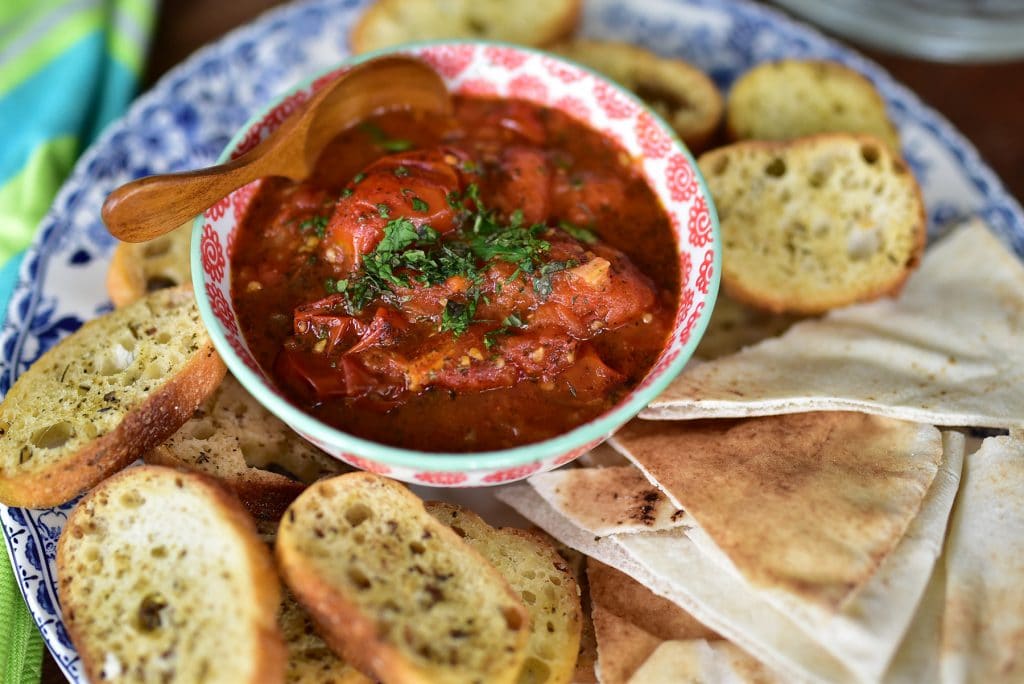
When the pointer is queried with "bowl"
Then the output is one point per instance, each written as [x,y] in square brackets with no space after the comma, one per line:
[501,70]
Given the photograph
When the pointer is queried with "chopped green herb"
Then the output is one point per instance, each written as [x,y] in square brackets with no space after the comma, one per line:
[458,316]
[409,254]
[381,139]
[454,199]
[395,145]
[582,234]
[542,279]
[470,166]
[358,178]
[383,210]
[318,224]
[401,171]
[511,322]
[338,286]
[347,192]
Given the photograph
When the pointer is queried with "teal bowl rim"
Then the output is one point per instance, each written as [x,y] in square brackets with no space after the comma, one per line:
[596,430]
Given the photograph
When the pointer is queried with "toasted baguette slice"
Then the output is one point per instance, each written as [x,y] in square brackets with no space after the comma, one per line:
[104,396]
[162,578]
[682,94]
[310,661]
[529,22]
[794,98]
[815,223]
[543,579]
[233,438]
[139,268]
[395,592]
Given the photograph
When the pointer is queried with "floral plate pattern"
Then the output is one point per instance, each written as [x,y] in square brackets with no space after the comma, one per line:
[189,116]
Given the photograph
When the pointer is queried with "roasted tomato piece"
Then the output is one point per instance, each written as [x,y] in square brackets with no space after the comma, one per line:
[412,185]
[325,320]
[502,120]
[522,181]
[321,377]
[606,291]
[590,378]
[586,198]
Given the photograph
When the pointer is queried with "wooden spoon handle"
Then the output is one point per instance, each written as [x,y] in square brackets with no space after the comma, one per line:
[149,207]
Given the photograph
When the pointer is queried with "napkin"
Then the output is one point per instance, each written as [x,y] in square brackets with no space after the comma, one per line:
[67,68]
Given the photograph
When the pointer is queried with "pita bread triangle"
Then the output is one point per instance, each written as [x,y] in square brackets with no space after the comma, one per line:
[808,503]
[806,643]
[608,500]
[713,597]
[983,614]
[699,661]
[643,637]
[947,351]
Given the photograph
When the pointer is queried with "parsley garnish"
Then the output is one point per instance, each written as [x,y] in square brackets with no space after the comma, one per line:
[358,178]
[511,322]
[318,224]
[401,171]
[381,139]
[542,280]
[582,234]
[384,210]
[347,192]
[409,254]
[458,316]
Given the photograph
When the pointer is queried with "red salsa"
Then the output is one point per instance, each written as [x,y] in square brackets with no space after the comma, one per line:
[459,283]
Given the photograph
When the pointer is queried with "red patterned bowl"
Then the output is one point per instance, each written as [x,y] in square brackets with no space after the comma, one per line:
[495,69]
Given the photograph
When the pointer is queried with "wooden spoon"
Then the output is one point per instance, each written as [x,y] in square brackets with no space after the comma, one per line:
[149,207]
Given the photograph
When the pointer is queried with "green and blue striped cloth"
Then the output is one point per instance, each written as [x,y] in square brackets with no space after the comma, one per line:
[67,69]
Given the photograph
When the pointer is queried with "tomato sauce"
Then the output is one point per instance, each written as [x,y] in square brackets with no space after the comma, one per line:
[462,283]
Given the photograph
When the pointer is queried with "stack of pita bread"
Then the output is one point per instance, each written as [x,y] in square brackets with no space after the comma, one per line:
[803,510]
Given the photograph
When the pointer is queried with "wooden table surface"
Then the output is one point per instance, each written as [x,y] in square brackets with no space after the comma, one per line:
[983,101]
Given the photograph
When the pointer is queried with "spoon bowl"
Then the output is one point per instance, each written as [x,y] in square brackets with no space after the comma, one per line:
[152,206]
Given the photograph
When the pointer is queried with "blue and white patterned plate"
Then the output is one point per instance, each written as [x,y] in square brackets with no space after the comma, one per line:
[190,115]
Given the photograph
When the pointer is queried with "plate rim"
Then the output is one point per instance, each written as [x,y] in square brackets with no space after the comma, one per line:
[1002,211]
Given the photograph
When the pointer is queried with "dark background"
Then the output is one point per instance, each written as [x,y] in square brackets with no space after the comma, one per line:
[985,102]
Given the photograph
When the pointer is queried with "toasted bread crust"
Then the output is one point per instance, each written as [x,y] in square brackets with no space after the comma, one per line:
[742,123]
[809,298]
[148,425]
[235,439]
[681,93]
[270,656]
[266,496]
[349,630]
[144,426]
[138,268]
[367,32]
[532,566]
[265,499]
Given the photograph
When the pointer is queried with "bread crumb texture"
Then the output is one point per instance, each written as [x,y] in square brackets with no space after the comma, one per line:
[139,268]
[399,592]
[815,223]
[158,584]
[544,581]
[83,388]
[528,22]
[794,98]
[679,92]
